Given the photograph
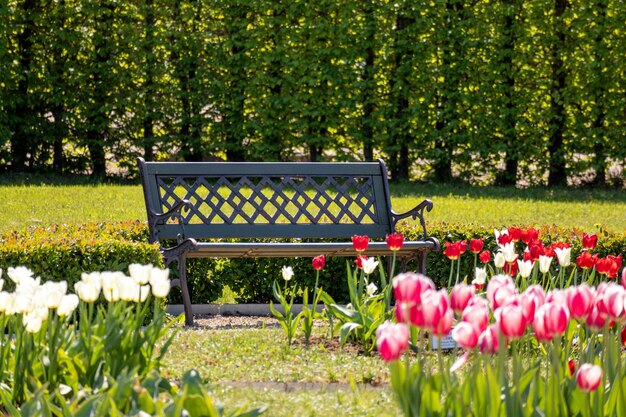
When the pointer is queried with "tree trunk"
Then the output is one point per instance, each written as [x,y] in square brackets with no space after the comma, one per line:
[369,86]
[556,175]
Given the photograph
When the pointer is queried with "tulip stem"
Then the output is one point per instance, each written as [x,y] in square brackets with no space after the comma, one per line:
[451,272]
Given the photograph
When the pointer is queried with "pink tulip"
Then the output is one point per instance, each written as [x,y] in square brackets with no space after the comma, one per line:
[502,296]
[539,326]
[580,301]
[496,282]
[557,319]
[611,301]
[595,320]
[409,286]
[392,340]
[557,297]
[624,277]
[460,296]
[588,377]
[465,335]
[488,340]
[529,305]
[511,319]
[442,328]
[435,305]
[477,315]
[536,292]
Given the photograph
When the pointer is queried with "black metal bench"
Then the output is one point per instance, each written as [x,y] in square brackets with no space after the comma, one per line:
[197,204]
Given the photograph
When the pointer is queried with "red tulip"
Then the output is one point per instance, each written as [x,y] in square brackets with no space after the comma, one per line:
[623,334]
[504,238]
[588,377]
[535,250]
[510,268]
[360,243]
[392,340]
[529,235]
[586,261]
[465,335]
[319,262]
[511,319]
[560,245]
[462,246]
[476,245]
[453,250]
[488,339]
[394,241]
[515,233]
[580,301]
[359,260]
[460,296]
[485,256]
[589,241]
[571,365]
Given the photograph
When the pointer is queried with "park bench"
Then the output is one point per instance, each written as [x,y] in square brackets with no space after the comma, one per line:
[196,209]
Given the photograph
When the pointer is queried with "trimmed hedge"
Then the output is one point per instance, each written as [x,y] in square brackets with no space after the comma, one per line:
[64,251]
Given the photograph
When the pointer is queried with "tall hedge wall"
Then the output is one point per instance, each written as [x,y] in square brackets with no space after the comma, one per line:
[436,88]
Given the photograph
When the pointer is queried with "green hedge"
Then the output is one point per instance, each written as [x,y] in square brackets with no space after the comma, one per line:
[64,251]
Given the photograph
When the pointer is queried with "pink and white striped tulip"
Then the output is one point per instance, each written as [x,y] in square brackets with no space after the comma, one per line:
[488,339]
[588,377]
[580,301]
[465,335]
[460,296]
[511,319]
[392,339]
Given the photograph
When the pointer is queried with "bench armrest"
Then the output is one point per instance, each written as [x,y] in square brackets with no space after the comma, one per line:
[416,212]
[174,212]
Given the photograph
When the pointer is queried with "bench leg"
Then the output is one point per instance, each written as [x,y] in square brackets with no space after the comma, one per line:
[182,273]
[421,262]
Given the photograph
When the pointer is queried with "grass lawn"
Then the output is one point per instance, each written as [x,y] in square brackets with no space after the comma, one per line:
[25,205]
[297,381]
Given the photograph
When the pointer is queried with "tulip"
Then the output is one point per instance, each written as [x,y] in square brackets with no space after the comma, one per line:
[498,260]
[525,268]
[394,241]
[409,286]
[19,273]
[571,365]
[529,235]
[453,250]
[511,319]
[360,243]
[484,256]
[610,302]
[580,301]
[480,277]
[68,305]
[32,323]
[563,255]
[391,340]
[369,265]
[509,253]
[556,318]
[140,273]
[539,326]
[609,266]
[586,261]
[287,273]
[359,260]
[477,315]
[476,245]
[496,282]
[318,262]
[465,335]
[434,306]
[544,263]
[510,268]
[515,233]
[160,287]
[371,289]
[488,339]
[589,241]
[623,278]
[442,328]
[460,296]
[588,377]
[595,320]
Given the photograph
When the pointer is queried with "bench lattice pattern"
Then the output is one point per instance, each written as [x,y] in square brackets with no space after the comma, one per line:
[271,200]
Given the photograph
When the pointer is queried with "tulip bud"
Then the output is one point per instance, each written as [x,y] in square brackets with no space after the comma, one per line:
[588,377]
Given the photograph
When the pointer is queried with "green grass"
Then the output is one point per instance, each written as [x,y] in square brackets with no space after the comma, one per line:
[26,205]
[289,381]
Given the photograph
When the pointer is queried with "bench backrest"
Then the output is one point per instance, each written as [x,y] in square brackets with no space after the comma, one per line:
[268,199]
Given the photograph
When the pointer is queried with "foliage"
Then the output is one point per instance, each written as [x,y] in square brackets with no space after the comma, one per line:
[481,91]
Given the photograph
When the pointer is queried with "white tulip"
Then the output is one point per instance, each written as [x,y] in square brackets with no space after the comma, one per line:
[371,289]
[160,288]
[369,265]
[158,274]
[1,281]
[32,323]
[93,278]
[86,291]
[142,294]
[480,276]
[287,272]
[525,268]
[129,290]
[140,273]
[19,273]
[564,256]
[498,260]
[53,293]
[544,263]
[67,305]
[6,302]
[509,253]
